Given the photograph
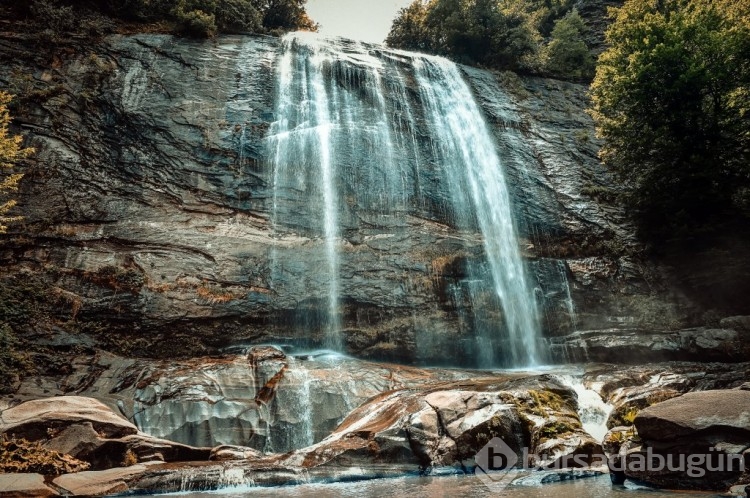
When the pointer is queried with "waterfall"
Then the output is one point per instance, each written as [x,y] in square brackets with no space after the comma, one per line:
[467,148]
[357,128]
[562,269]
[302,154]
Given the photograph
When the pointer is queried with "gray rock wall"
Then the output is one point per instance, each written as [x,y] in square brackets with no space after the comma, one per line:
[147,213]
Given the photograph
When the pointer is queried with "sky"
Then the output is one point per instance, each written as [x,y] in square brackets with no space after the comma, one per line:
[366,20]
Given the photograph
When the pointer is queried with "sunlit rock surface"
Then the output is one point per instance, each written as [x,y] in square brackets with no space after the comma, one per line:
[266,400]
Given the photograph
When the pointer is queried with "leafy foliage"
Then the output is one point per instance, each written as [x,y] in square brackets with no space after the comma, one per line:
[567,55]
[505,34]
[10,153]
[198,18]
[409,30]
[671,98]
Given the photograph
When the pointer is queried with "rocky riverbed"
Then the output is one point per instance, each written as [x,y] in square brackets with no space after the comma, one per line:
[271,418]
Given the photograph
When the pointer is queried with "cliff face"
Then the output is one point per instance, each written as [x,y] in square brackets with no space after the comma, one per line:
[148,214]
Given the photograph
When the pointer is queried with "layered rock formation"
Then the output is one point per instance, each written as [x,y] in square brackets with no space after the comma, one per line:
[87,430]
[148,213]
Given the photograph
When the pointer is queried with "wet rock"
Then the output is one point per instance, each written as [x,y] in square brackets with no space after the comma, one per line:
[75,440]
[223,453]
[630,389]
[550,476]
[617,438]
[148,210]
[739,323]
[273,403]
[742,490]
[696,419]
[33,420]
[142,448]
[24,486]
[638,345]
[86,430]
[447,425]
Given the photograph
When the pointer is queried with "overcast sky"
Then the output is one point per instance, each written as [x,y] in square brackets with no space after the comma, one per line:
[366,20]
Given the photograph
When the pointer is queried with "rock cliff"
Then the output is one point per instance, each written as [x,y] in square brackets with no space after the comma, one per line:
[148,214]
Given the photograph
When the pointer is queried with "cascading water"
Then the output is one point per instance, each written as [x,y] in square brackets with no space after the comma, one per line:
[354,127]
[467,149]
[592,409]
[303,150]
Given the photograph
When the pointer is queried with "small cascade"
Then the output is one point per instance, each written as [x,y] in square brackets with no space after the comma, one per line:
[298,404]
[241,146]
[225,479]
[569,305]
[592,409]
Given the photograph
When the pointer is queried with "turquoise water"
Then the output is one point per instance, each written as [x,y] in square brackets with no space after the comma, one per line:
[453,486]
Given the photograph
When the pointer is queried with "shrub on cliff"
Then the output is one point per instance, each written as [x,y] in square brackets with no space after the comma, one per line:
[10,153]
[566,55]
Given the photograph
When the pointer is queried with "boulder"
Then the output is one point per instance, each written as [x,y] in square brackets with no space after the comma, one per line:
[224,453]
[708,432]
[75,440]
[38,419]
[447,425]
[698,419]
[24,486]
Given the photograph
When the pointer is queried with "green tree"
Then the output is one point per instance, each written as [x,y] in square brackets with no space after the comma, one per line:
[671,99]
[286,15]
[201,18]
[10,153]
[472,31]
[409,30]
[566,55]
